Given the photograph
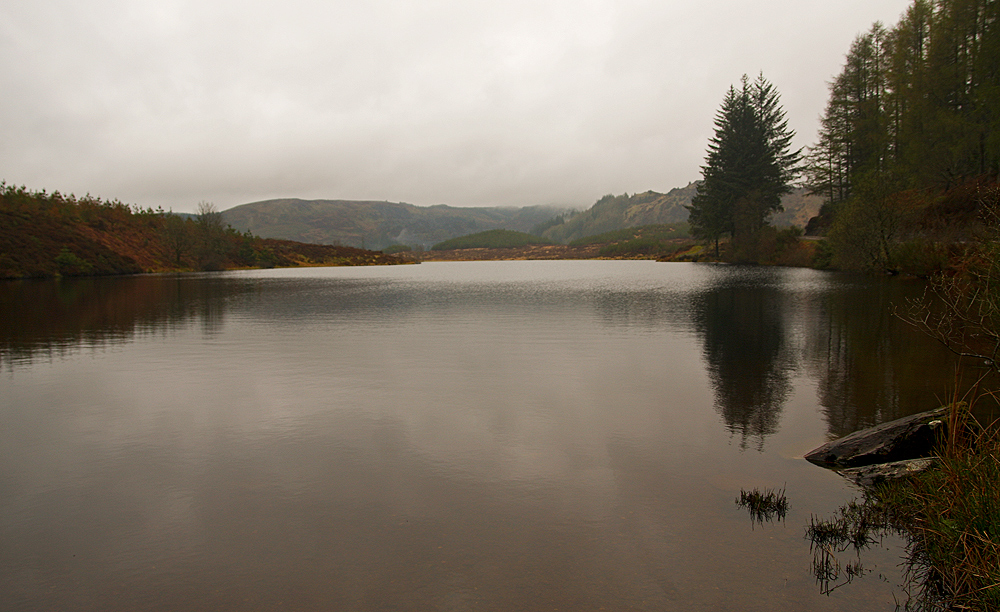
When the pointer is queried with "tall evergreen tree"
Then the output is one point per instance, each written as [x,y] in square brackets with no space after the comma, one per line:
[856,138]
[908,80]
[916,106]
[749,165]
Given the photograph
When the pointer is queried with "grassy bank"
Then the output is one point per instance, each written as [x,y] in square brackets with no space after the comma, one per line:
[950,515]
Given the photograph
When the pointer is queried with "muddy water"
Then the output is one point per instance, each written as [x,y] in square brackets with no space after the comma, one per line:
[447,436]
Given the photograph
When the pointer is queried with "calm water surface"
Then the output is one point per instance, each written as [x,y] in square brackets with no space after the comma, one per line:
[447,436]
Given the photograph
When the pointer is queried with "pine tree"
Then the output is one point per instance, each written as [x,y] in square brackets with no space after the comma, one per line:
[749,165]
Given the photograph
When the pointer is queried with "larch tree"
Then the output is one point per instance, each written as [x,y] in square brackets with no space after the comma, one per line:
[914,112]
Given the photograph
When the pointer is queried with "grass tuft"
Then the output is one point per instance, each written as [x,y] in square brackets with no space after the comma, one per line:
[766,505]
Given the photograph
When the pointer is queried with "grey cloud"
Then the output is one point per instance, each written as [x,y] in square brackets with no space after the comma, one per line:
[464,103]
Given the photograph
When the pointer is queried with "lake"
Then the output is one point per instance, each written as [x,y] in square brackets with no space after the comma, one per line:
[515,435]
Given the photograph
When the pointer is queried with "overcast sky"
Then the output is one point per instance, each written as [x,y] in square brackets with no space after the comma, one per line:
[460,102]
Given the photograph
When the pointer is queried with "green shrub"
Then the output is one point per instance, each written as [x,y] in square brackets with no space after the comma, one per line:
[919,257]
[491,239]
[660,232]
[823,258]
[636,247]
[69,264]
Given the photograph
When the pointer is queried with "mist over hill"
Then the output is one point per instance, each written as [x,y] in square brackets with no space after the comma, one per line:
[650,208]
[376,225]
[617,212]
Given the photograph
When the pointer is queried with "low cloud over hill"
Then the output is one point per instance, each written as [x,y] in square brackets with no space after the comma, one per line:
[376,225]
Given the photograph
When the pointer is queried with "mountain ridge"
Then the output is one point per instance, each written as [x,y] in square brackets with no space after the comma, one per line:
[379,224]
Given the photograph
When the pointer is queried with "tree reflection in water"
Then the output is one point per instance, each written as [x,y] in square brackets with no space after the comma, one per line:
[747,360]
[68,313]
[760,325]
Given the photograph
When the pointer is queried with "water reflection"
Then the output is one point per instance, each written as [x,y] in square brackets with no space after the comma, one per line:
[53,317]
[741,322]
[497,435]
[871,367]
[761,326]
[757,325]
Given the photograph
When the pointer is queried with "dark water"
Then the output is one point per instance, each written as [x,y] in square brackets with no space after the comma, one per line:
[448,436]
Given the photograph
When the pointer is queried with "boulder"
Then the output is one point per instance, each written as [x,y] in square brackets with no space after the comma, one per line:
[869,475]
[911,437]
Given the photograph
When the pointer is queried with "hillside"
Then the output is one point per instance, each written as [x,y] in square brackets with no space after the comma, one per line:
[376,225]
[800,206]
[47,235]
[617,212]
[651,208]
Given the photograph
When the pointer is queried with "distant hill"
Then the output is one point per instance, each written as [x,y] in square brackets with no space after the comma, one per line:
[800,206]
[651,208]
[376,225]
[617,212]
